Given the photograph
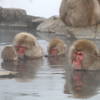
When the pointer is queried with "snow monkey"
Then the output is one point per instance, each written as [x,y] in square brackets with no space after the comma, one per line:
[80,12]
[9,53]
[83,54]
[26,45]
[56,47]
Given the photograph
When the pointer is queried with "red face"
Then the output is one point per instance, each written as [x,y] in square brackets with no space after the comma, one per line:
[20,50]
[78,59]
[54,52]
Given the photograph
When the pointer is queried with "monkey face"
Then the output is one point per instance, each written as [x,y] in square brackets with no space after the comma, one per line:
[54,52]
[78,58]
[56,47]
[21,50]
[83,54]
[57,50]
[82,59]
[23,43]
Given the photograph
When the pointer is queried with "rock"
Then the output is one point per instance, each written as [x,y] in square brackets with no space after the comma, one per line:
[56,26]
[38,19]
[35,21]
[14,17]
[52,25]
[80,12]
[12,14]
[91,32]
[7,74]
[0,14]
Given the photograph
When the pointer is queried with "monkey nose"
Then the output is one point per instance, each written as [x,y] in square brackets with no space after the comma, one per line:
[54,52]
[21,51]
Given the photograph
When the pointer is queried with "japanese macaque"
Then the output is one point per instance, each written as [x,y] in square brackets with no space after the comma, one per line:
[9,53]
[56,47]
[80,12]
[83,54]
[26,45]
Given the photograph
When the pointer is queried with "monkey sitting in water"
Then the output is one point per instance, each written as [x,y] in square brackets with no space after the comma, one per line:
[83,54]
[9,53]
[56,47]
[26,45]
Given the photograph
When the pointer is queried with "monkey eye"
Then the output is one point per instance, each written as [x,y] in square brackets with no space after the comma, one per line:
[80,53]
[18,47]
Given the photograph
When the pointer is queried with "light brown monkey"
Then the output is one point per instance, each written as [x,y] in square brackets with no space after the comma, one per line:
[26,45]
[56,47]
[9,53]
[83,54]
[80,12]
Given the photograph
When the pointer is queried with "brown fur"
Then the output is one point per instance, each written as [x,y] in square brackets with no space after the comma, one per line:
[85,45]
[24,39]
[30,42]
[8,53]
[58,44]
[91,58]
[80,12]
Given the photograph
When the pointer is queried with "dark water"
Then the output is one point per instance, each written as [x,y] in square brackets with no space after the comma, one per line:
[44,79]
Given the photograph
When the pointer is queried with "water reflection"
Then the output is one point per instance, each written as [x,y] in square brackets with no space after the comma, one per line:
[43,79]
[82,84]
[57,61]
[7,33]
[26,70]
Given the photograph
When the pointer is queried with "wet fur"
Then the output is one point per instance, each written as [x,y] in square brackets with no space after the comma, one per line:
[80,12]
[9,53]
[91,59]
[30,41]
[58,44]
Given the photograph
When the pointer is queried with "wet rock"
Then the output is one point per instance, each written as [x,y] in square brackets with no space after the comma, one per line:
[7,74]
[55,25]
[18,17]
[0,14]
[35,21]
[12,14]
[80,12]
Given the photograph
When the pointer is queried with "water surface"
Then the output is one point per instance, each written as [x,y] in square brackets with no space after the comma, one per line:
[46,78]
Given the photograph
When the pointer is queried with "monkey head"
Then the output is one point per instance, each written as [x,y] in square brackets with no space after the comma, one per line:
[56,47]
[23,43]
[82,54]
